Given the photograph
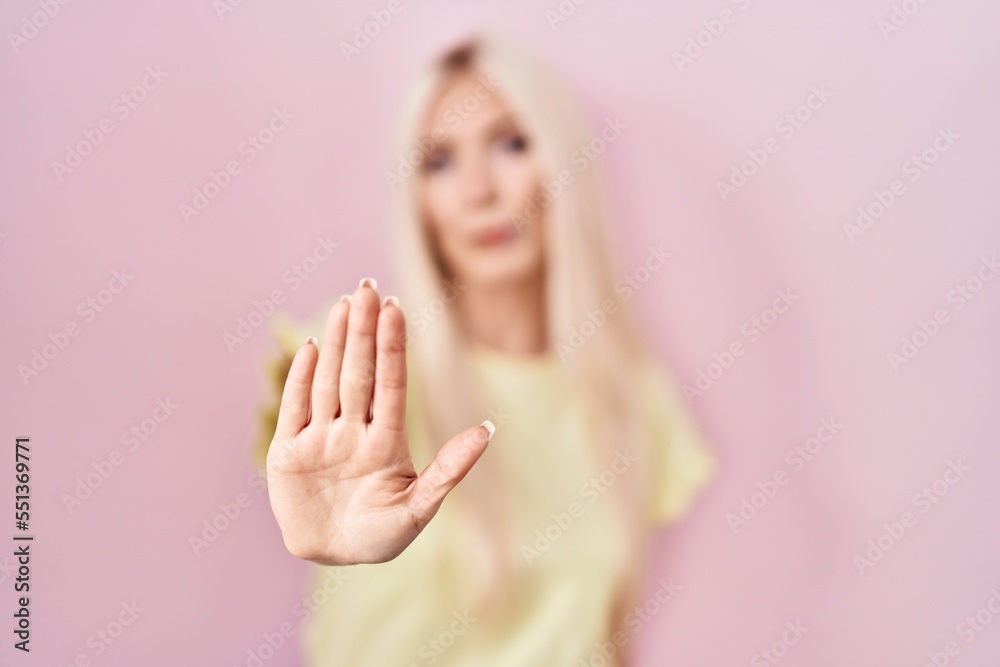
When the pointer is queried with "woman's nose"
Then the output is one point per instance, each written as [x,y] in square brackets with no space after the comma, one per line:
[478,186]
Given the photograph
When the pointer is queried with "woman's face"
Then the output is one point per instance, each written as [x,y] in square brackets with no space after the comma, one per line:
[479,177]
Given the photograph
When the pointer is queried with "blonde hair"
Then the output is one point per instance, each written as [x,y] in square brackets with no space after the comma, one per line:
[580,277]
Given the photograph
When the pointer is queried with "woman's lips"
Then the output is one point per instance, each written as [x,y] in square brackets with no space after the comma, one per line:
[496,235]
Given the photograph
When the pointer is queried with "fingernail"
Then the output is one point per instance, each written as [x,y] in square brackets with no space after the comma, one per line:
[345,297]
[371,282]
[489,427]
[390,299]
[312,339]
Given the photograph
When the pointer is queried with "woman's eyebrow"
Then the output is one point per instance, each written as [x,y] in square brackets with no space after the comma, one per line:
[504,123]
[428,144]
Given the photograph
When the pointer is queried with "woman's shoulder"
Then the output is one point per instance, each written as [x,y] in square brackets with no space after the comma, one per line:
[682,458]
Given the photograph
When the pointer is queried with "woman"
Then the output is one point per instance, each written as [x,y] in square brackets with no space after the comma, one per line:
[517,315]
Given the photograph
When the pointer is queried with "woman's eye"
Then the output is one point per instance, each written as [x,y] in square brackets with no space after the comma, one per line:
[514,144]
[437,162]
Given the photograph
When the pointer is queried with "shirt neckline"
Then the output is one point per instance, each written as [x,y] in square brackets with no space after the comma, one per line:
[499,358]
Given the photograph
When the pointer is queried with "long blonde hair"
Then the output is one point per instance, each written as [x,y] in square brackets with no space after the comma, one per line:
[580,277]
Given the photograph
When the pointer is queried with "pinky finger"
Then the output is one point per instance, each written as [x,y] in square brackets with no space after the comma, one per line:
[293,415]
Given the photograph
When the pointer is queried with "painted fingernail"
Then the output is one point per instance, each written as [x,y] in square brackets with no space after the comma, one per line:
[390,299]
[345,297]
[312,339]
[489,427]
[371,282]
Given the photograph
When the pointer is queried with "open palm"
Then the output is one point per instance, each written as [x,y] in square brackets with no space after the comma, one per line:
[339,474]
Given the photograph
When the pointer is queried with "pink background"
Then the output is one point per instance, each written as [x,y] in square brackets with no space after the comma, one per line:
[826,357]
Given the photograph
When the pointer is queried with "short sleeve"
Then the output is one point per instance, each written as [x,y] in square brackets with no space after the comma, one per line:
[682,462]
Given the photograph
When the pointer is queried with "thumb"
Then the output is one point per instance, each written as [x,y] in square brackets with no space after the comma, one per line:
[449,467]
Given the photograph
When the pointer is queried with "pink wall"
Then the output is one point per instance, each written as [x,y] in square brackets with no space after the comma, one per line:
[161,336]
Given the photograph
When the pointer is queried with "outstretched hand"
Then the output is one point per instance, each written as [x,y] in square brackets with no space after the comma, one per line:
[339,473]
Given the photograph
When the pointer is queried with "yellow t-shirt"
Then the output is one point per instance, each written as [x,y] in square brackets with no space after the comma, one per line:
[408,612]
